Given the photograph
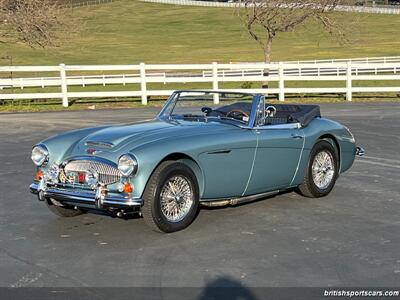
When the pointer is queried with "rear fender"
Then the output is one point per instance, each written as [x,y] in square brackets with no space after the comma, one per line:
[334,133]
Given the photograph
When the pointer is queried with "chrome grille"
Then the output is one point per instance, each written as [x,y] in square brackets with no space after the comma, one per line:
[107,174]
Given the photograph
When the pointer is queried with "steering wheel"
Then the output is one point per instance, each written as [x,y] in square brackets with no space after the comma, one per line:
[270,111]
[238,115]
[206,110]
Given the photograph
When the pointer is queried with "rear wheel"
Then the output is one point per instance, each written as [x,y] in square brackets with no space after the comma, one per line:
[322,171]
[62,211]
[171,197]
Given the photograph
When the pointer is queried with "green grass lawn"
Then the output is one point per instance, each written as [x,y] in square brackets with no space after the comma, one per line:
[130,32]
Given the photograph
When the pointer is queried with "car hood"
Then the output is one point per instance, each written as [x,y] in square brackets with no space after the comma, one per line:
[129,136]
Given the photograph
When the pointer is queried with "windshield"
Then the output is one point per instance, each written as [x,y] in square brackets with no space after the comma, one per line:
[198,106]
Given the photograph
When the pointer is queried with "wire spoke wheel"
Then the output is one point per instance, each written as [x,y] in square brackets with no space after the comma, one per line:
[171,197]
[176,198]
[323,169]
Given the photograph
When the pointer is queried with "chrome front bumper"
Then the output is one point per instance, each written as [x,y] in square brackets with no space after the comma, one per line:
[84,197]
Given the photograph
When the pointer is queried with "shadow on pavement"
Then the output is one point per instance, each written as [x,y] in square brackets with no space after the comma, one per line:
[226,288]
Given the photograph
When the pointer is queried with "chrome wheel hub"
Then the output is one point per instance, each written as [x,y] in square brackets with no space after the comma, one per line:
[176,198]
[323,169]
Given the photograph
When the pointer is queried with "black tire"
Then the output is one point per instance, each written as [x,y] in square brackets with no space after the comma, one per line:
[309,188]
[151,210]
[63,211]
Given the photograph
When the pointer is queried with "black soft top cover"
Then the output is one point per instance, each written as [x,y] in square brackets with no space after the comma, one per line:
[294,113]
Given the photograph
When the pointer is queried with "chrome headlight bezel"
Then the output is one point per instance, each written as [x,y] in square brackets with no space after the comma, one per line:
[40,155]
[127,165]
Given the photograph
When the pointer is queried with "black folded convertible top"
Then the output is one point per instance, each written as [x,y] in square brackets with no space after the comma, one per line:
[302,114]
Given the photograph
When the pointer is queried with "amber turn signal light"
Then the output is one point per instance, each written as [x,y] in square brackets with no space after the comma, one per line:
[128,188]
[38,175]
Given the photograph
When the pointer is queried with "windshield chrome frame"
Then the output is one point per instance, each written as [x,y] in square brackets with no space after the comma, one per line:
[163,114]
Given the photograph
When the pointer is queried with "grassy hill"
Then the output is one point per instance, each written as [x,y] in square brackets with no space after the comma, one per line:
[129,31]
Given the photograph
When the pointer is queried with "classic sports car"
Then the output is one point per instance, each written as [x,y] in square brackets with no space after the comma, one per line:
[204,147]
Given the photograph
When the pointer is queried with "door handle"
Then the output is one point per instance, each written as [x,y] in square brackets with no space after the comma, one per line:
[297,136]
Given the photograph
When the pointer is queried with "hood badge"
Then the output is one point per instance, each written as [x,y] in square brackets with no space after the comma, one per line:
[91,151]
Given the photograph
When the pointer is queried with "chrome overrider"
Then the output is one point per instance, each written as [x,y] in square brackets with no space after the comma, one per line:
[360,151]
[98,197]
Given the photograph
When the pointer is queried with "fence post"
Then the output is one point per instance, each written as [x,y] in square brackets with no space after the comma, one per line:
[281,82]
[64,85]
[215,81]
[143,86]
[349,95]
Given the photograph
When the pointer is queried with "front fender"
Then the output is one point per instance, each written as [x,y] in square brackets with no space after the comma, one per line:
[147,164]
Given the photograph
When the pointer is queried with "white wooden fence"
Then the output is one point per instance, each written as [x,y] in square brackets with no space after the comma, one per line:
[344,8]
[214,74]
[358,60]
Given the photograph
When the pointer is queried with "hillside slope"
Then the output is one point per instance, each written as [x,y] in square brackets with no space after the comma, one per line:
[128,32]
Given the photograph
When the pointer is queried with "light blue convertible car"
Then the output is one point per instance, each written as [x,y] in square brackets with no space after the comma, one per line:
[203,148]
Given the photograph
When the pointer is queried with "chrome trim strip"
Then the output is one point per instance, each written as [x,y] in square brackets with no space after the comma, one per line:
[279,126]
[252,165]
[133,202]
[236,200]
[257,98]
[91,158]
[300,157]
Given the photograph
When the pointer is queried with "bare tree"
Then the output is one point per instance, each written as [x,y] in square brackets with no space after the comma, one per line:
[37,23]
[265,19]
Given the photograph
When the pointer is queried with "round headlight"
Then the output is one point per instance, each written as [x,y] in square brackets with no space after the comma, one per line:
[40,155]
[127,165]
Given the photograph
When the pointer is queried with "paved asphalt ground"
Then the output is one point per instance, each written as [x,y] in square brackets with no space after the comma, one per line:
[350,238]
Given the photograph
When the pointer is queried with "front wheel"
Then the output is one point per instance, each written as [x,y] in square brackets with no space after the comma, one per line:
[322,171]
[171,197]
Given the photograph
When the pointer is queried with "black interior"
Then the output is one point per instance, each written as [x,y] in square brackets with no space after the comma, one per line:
[285,113]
